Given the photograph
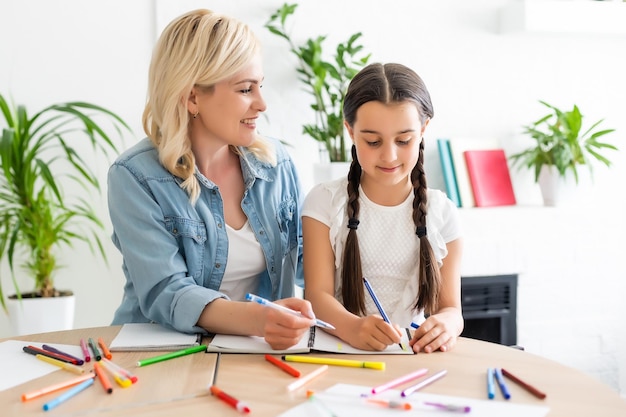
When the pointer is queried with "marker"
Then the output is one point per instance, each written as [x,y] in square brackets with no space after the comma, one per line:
[121,370]
[56,387]
[336,362]
[263,301]
[94,349]
[282,365]
[232,401]
[64,365]
[105,350]
[33,350]
[450,407]
[121,380]
[67,395]
[83,347]
[491,393]
[503,387]
[427,381]
[171,355]
[378,304]
[398,381]
[49,348]
[103,378]
[307,378]
[389,403]
[524,385]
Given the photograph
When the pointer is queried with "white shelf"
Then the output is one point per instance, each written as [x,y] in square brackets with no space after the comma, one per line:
[564,16]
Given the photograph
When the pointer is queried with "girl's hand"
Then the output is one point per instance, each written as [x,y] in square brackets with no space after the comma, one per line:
[372,333]
[439,331]
[283,330]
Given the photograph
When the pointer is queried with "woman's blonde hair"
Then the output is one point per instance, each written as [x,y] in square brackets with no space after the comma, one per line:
[199,48]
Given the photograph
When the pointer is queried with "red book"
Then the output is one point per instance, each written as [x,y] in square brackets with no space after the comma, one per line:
[488,173]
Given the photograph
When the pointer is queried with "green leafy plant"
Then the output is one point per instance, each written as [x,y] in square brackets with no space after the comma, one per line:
[559,143]
[325,81]
[37,158]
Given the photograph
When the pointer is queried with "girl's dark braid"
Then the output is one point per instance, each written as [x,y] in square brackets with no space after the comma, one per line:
[428,278]
[352,272]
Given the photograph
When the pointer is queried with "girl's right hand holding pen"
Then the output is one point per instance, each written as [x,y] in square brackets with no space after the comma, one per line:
[373,333]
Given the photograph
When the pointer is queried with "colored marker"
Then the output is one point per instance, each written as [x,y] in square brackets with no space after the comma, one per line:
[427,381]
[307,378]
[121,370]
[56,387]
[94,349]
[282,365]
[524,385]
[450,407]
[105,350]
[171,355]
[64,365]
[263,301]
[379,306]
[502,384]
[389,403]
[83,347]
[67,394]
[491,392]
[49,348]
[121,380]
[336,362]
[232,401]
[33,350]
[398,381]
[103,378]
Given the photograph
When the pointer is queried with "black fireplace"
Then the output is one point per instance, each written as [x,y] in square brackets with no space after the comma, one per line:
[490,308]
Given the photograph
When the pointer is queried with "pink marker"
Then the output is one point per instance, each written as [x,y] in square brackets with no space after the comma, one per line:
[406,378]
[83,346]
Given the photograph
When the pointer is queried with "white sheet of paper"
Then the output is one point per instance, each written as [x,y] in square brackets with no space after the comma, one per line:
[344,400]
[19,367]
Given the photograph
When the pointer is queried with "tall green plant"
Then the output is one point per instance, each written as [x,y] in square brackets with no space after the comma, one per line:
[559,143]
[325,81]
[37,157]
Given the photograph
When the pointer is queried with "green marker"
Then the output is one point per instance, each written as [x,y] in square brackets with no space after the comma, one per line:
[94,348]
[171,355]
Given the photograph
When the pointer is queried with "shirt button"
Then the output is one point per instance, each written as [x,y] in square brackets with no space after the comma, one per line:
[261,232]
[218,265]
[175,231]
[219,225]
[213,192]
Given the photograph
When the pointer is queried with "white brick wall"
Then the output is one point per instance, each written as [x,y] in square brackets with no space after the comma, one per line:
[571,285]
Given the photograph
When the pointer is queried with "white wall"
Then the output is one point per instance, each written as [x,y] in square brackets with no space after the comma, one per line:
[484,83]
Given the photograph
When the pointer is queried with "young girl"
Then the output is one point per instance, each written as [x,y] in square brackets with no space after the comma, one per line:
[383,223]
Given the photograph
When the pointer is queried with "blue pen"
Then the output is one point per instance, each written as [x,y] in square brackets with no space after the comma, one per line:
[378,305]
[268,303]
[491,393]
[503,387]
[67,395]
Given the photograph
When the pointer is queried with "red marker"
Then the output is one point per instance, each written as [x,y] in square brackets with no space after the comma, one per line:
[282,365]
[233,402]
[34,350]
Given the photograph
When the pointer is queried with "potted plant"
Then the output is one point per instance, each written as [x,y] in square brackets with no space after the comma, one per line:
[38,214]
[325,80]
[560,150]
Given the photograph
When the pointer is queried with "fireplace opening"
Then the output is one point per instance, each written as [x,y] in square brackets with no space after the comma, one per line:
[490,308]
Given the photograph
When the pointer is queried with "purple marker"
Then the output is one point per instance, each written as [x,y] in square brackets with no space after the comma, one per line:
[60,352]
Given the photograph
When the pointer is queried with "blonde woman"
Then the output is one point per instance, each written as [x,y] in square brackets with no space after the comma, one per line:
[205,210]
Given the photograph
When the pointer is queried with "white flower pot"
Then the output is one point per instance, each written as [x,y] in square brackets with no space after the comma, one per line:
[41,315]
[328,171]
[563,191]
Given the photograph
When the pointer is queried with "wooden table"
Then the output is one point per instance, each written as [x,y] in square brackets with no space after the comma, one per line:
[179,386]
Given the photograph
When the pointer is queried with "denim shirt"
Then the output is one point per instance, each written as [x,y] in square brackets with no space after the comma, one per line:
[175,253]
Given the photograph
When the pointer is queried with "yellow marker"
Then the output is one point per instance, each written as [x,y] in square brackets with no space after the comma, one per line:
[121,380]
[67,366]
[337,362]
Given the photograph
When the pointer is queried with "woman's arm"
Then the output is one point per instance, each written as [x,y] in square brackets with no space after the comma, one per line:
[441,329]
[368,333]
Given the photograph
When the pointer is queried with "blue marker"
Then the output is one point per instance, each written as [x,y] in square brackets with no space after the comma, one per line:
[375,299]
[67,395]
[268,303]
[503,387]
[491,393]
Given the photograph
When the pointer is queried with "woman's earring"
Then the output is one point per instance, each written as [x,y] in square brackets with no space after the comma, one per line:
[195,116]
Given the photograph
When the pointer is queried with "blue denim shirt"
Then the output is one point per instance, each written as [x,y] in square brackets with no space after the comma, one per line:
[175,253]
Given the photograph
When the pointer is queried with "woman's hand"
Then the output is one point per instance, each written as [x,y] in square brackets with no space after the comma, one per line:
[283,330]
[439,331]
[372,333]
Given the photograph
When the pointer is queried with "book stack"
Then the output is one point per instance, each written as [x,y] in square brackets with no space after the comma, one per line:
[476,173]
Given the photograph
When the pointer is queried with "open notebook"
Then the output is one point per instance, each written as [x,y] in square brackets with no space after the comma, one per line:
[316,340]
[151,337]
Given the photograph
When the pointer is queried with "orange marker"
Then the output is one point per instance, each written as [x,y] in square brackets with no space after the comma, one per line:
[56,387]
[282,365]
[105,350]
[104,380]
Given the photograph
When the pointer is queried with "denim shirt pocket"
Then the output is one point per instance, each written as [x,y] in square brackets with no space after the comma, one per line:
[191,237]
[285,216]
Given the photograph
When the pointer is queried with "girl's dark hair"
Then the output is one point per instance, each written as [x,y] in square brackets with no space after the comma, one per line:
[388,84]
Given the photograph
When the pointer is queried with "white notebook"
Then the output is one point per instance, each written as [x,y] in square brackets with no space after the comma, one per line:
[316,340]
[151,336]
